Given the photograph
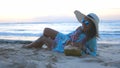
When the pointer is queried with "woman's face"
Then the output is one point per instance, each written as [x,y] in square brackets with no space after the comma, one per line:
[86,23]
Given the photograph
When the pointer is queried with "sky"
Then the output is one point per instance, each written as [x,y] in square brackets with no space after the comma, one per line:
[44,10]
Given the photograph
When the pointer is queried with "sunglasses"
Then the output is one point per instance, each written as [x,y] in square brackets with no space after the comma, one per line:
[85,22]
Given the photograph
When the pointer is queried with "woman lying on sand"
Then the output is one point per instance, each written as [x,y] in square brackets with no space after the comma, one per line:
[84,36]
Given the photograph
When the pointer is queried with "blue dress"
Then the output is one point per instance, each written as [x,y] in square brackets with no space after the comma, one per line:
[91,46]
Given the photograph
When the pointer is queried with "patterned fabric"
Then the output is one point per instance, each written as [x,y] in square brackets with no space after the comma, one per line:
[89,45]
[60,40]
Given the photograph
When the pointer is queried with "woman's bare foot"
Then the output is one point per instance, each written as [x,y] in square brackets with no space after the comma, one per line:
[32,45]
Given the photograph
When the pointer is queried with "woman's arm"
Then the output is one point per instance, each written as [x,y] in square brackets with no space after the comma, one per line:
[76,44]
[79,28]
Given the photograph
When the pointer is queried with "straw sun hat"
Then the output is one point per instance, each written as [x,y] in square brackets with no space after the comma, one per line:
[91,16]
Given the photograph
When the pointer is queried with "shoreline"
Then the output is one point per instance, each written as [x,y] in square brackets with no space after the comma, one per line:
[29,41]
[12,54]
[15,41]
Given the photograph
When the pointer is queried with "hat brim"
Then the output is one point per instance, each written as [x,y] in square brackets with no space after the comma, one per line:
[80,16]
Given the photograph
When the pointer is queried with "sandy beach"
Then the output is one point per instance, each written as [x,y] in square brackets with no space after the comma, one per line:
[12,55]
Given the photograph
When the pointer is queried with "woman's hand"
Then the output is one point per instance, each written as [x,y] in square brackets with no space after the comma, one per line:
[68,42]
[76,44]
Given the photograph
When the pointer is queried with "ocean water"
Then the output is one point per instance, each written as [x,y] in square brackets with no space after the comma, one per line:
[109,30]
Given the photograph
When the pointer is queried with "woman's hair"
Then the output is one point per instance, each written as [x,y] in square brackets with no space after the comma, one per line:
[92,32]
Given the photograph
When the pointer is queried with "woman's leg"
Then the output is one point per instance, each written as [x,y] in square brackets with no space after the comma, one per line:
[50,43]
[36,44]
[48,32]
[47,38]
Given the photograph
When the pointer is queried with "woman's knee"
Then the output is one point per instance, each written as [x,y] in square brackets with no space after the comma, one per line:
[50,32]
[46,30]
